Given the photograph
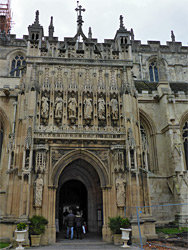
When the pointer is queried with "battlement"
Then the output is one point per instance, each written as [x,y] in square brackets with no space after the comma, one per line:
[154,46]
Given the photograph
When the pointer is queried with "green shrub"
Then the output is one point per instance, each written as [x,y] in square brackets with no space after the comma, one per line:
[170,230]
[115,223]
[4,244]
[21,226]
[37,225]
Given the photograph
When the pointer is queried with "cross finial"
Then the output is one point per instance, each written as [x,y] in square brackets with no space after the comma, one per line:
[79,9]
[79,12]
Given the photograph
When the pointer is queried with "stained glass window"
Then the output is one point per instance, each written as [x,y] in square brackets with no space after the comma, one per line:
[153,72]
[185,142]
[17,62]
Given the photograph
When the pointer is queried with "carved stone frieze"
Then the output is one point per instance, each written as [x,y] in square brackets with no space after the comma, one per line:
[103,156]
[57,154]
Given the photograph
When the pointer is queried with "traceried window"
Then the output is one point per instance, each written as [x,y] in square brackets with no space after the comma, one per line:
[145,148]
[16,64]
[153,71]
[1,139]
[185,142]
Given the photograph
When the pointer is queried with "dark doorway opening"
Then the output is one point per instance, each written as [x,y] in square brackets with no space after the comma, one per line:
[72,196]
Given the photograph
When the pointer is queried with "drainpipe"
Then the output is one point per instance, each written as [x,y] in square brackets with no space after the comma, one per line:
[140,60]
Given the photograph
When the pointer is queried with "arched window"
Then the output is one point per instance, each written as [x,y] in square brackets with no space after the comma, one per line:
[153,71]
[145,148]
[185,142]
[1,139]
[17,62]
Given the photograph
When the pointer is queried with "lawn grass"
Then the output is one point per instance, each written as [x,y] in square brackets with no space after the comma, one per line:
[169,230]
[4,244]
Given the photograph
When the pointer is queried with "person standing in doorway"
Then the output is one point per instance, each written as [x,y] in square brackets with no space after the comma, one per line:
[70,220]
[79,223]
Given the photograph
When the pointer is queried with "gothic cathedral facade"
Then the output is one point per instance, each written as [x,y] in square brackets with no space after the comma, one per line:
[100,127]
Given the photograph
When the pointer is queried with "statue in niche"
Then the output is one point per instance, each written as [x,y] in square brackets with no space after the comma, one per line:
[38,190]
[72,106]
[121,191]
[88,108]
[101,108]
[45,106]
[58,106]
[114,108]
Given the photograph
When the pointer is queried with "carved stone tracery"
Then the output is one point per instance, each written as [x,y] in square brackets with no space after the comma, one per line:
[118,158]
[41,156]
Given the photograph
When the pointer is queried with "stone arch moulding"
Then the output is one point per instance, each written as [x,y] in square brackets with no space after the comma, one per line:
[183,119]
[151,131]
[84,155]
[14,52]
[148,122]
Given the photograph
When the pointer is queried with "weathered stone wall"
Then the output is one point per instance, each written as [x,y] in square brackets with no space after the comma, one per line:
[161,195]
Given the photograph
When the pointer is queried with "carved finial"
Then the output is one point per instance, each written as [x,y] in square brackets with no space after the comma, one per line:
[51,28]
[121,23]
[51,22]
[90,33]
[37,17]
[172,36]
[132,34]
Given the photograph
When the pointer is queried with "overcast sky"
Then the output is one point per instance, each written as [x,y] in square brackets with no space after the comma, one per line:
[150,19]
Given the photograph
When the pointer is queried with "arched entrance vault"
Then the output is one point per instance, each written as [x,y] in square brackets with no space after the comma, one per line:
[75,172]
[85,155]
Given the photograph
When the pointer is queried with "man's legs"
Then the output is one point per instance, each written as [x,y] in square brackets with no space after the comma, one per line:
[72,232]
[67,233]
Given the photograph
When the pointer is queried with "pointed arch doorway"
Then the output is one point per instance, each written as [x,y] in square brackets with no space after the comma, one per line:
[79,188]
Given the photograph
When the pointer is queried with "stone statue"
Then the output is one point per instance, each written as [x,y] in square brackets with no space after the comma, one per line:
[120,188]
[38,191]
[45,107]
[101,108]
[72,105]
[58,106]
[88,108]
[114,108]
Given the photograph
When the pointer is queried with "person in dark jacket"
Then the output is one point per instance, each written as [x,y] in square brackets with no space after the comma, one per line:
[79,223]
[70,220]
